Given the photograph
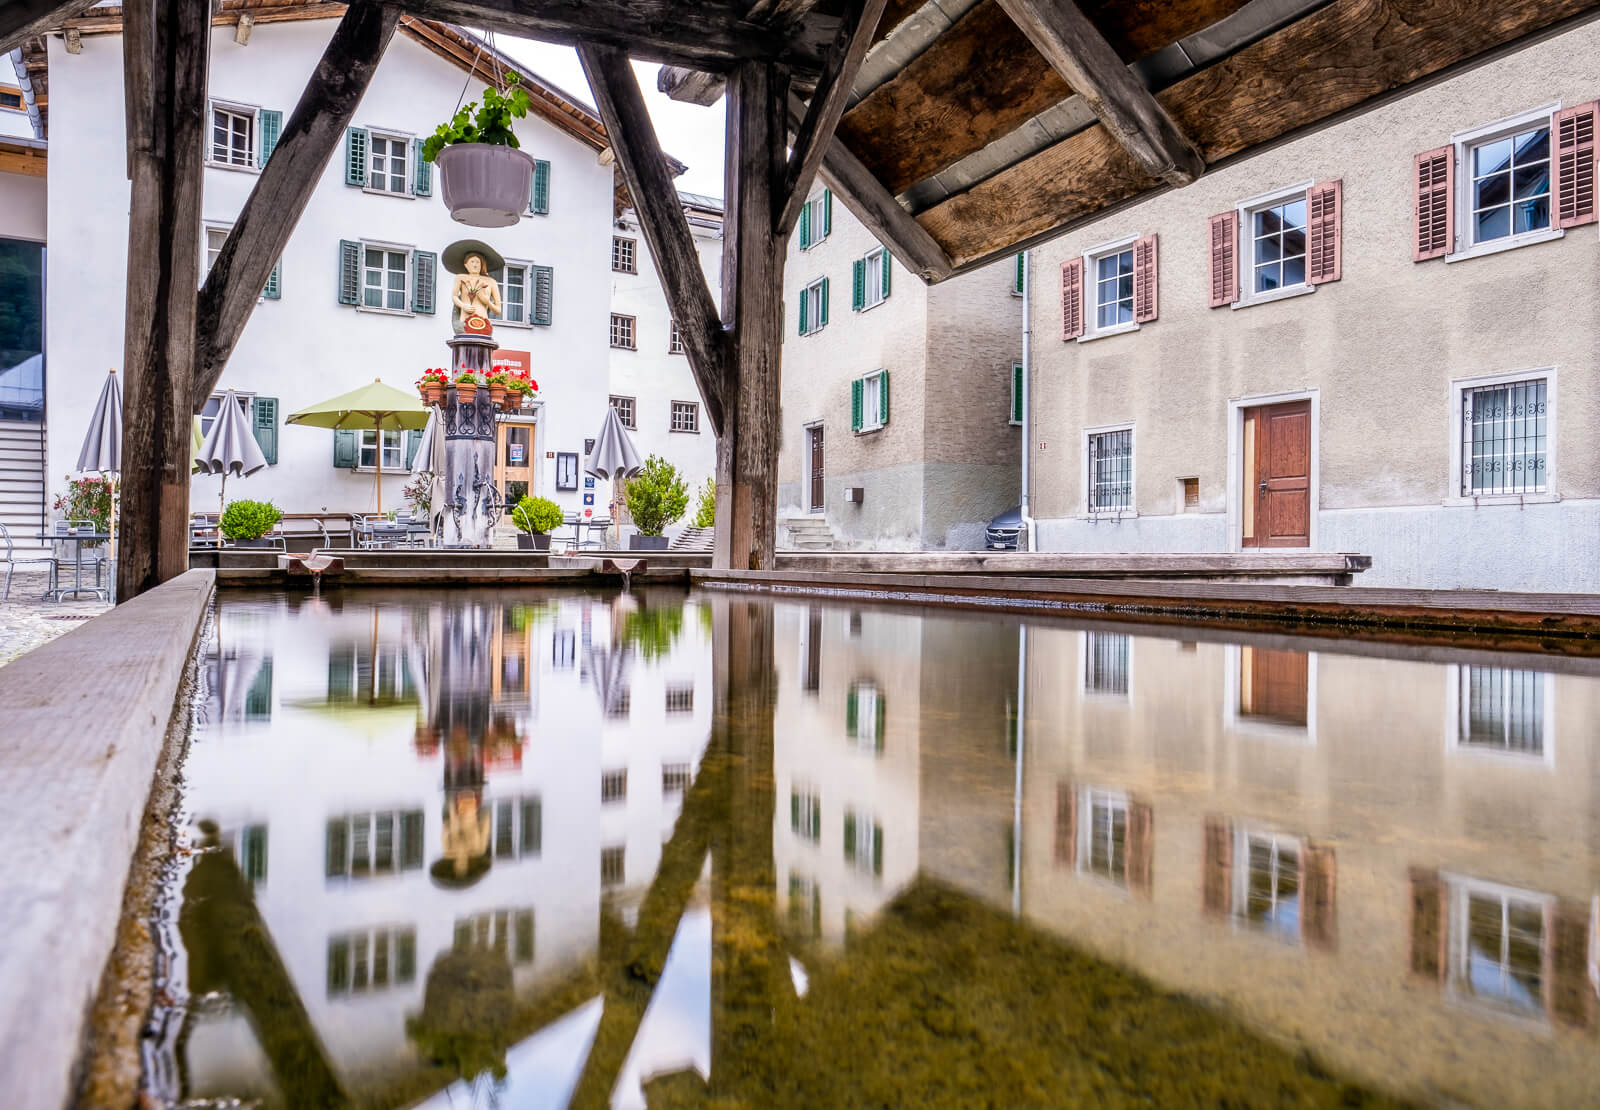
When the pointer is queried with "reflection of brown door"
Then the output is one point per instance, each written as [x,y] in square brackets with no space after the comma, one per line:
[815,437]
[1273,685]
[1277,475]
[513,460]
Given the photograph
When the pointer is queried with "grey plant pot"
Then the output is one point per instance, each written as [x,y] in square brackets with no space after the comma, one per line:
[260,541]
[533,541]
[483,185]
[637,542]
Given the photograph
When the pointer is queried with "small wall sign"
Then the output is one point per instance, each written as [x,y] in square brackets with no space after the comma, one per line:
[588,483]
[588,499]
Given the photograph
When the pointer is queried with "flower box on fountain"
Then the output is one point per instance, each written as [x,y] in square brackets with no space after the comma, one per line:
[432,384]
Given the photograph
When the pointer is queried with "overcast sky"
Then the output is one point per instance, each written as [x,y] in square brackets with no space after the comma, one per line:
[688,132]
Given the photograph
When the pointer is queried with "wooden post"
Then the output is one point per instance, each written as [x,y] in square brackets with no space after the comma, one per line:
[752,301]
[166,57]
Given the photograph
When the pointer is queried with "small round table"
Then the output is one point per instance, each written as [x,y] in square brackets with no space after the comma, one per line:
[59,592]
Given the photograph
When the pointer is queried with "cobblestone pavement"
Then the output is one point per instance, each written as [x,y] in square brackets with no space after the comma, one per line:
[26,620]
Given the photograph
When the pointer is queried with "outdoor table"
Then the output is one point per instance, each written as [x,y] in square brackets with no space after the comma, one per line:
[77,539]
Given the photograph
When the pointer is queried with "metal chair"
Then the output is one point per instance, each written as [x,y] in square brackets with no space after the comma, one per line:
[601,522]
[8,557]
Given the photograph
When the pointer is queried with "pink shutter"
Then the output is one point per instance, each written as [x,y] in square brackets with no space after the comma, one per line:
[1575,200]
[1435,180]
[1224,259]
[1145,299]
[1324,232]
[1071,299]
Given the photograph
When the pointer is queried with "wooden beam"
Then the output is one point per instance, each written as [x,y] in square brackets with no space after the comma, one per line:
[74,41]
[1328,62]
[21,20]
[166,59]
[827,106]
[691,86]
[29,163]
[109,21]
[871,203]
[1124,106]
[644,168]
[707,34]
[281,192]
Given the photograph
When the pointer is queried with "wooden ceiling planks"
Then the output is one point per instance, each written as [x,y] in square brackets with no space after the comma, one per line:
[982,79]
[1330,61]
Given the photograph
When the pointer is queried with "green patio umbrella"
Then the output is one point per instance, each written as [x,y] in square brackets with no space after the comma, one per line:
[375,407]
[197,440]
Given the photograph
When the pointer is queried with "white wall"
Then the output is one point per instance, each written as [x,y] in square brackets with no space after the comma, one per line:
[306,347]
[22,207]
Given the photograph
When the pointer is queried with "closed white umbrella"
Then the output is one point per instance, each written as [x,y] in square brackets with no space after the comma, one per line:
[614,455]
[230,448]
[430,461]
[102,451]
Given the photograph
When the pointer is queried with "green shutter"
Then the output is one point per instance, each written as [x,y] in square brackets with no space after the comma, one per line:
[345,453]
[349,272]
[803,294]
[827,213]
[539,199]
[422,184]
[805,225]
[849,836]
[413,440]
[878,736]
[338,847]
[883,398]
[794,811]
[888,267]
[858,285]
[855,426]
[816,818]
[424,266]
[266,428]
[877,848]
[355,157]
[274,287]
[411,831]
[271,127]
[851,708]
[1016,280]
[1016,393]
[544,287]
[822,308]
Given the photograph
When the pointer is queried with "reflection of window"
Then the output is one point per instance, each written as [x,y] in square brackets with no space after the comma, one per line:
[364,844]
[1499,939]
[564,649]
[620,703]
[612,866]
[675,778]
[811,652]
[518,825]
[680,697]
[805,906]
[1270,884]
[1105,663]
[249,847]
[507,931]
[371,959]
[1106,836]
[805,815]
[258,701]
[864,714]
[863,843]
[1502,710]
[614,786]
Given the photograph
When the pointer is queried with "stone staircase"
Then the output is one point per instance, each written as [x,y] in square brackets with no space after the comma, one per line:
[808,533]
[693,540]
[22,486]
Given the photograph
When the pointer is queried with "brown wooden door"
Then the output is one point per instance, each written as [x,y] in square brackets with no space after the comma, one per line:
[513,460]
[816,468]
[1278,475]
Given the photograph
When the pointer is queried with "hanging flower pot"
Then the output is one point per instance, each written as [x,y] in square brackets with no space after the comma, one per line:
[431,386]
[466,389]
[513,400]
[484,179]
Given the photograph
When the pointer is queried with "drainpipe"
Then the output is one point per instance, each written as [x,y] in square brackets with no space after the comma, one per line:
[1027,392]
[24,84]
[1022,743]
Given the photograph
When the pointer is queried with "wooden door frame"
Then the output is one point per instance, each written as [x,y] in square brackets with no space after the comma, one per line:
[1236,407]
[822,509]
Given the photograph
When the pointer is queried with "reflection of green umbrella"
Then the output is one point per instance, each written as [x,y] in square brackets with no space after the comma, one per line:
[376,407]
[374,719]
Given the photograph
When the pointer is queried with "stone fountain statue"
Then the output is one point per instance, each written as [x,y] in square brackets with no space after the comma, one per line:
[472,503]
[475,294]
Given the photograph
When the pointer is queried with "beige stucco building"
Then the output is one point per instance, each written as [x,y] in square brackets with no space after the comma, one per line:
[898,391]
[1435,414]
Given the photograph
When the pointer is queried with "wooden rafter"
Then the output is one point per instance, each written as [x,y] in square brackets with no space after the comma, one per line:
[827,106]
[1059,30]
[633,139]
[21,20]
[286,183]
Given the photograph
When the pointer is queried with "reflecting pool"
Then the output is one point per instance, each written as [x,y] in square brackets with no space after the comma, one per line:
[537,849]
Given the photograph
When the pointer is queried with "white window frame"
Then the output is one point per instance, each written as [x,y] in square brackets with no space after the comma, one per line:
[1233,658]
[1461,888]
[633,254]
[1244,836]
[253,111]
[633,332]
[672,417]
[410,270]
[872,421]
[1091,283]
[206,259]
[1455,684]
[814,220]
[362,447]
[526,285]
[1462,244]
[868,841]
[1459,387]
[1246,252]
[1085,691]
[868,698]
[409,179]
[814,308]
[674,338]
[872,286]
[206,422]
[810,813]
[1113,800]
[1235,476]
[1086,511]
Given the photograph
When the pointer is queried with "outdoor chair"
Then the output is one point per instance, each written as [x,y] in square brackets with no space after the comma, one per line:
[603,523]
[8,558]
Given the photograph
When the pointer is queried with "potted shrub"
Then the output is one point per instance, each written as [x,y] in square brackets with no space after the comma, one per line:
[246,522]
[88,498]
[431,385]
[467,388]
[484,178]
[496,381]
[535,518]
[657,497]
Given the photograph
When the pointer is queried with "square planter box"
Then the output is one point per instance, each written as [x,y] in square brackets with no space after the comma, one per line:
[637,542]
[533,541]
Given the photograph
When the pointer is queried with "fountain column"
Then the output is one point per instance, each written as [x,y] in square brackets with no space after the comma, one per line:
[471,501]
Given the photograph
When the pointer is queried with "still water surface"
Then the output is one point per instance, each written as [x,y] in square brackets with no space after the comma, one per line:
[545,850]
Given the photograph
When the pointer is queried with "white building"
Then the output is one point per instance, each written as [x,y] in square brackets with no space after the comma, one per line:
[359,293]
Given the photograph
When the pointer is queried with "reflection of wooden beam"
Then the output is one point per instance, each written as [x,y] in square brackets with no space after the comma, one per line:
[827,105]
[1061,32]
[644,168]
[284,187]
[691,86]
[21,20]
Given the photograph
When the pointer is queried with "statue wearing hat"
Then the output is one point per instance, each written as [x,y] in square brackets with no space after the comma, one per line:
[475,293]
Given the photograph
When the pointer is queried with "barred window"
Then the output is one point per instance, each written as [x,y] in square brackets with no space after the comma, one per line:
[805,815]
[1111,471]
[614,786]
[623,255]
[680,697]
[622,331]
[1504,438]
[1502,710]
[1105,662]
[685,416]
[674,339]
[675,778]
[625,410]
[612,870]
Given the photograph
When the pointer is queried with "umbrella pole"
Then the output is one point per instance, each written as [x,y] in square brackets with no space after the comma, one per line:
[222,504]
[378,478]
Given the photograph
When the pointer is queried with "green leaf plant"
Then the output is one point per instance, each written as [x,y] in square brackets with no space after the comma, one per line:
[489,124]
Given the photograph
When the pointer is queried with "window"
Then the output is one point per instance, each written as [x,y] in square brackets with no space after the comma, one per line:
[215,238]
[1105,662]
[515,292]
[680,697]
[870,402]
[1508,184]
[1275,255]
[1110,471]
[675,778]
[625,411]
[1107,836]
[518,826]
[1499,709]
[620,704]
[1498,949]
[864,714]
[814,306]
[393,449]
[9,99]
[1270,898]
[365,844]
[870,276]
[863,843]
[506,931]
[622,331]
[805,906]
[613,865]
[674,339]
[213,406]
[1189,494]
[623,255]
[614,786]
[816,220]
[1505,432]
[386,279]
[1113,289]
[805,815]
[233,136]
[371,959]
[685,416]
[387,165]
